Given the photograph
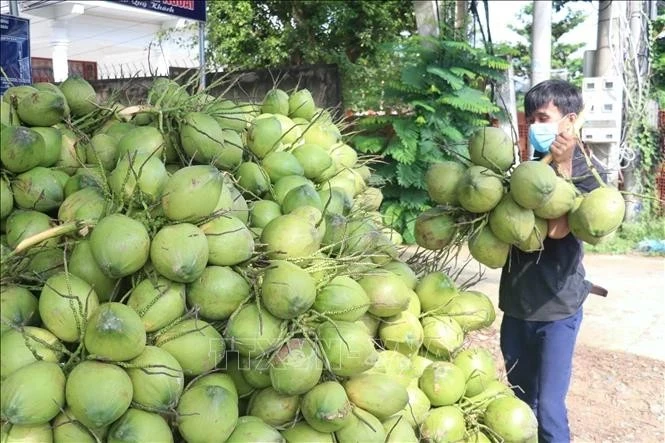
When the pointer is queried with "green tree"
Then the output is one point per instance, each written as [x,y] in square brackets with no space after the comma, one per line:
[520,52]
[247,34]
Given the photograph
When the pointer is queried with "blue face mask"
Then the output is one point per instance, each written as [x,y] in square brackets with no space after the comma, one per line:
[542,135]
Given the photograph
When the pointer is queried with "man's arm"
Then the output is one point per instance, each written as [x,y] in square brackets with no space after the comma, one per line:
[558,228]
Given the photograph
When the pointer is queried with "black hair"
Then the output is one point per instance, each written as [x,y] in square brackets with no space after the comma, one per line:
[565,96]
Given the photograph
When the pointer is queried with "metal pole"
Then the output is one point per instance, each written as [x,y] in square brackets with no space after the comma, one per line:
[202,55]
[541,42]
[13,8]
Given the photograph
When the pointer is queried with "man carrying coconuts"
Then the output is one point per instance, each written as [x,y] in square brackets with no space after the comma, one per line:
[541,293]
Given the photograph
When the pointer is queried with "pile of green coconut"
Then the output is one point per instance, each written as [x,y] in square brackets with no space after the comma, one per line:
[197,269]
[491,201]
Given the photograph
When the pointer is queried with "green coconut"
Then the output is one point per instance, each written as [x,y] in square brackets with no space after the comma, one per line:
[158,301]
[207,411]
[22,224]
[18,307]
[274,408]
[362,426]
[87,204]
[204,141]
[561,201]
[378,394]
[157,379]
[443,424]
[342,299]
[216,379]
[388,295]
[398,430]
[510,222]
[196,345]
[81,96]
[479,190]
[254,429]
[441,181]
[229,241]
[404,271]
[218,292]
[487,249]
[347,346]
[72,152]
[291,133]
[280,164]
[286,184]
[295,368]
[442,335]
[21,149]
[138,425]
[115,333]
[42,108]
[511,419]
[301,104]
[98,393]
[302,432]
[532,184]
[276,101]
[6,198]
[443,383]
[314,160]
[435,290]
[264,135]
[535,240]
[85,177]
[116,129]
[252,178]
[52,144]
[263,212]
[26,434]
[252,332]
[179,252]
[492,148]
[435,229]
[322,133]
[38,189]
[120,245]
[478,367]
[326,407]
[65,303]
[146,140]
[473,310]
[303,195]
[33,395]
[19,348]
[402,333]
[139,177]
[192,192]
[335,201]
[417,408]
[17,93]
[599,214]
[287,290]
[229,115]
[370,199]
[256,371]
[290,236]
[67,428]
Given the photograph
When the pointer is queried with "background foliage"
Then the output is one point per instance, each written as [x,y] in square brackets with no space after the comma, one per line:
[442,91]
[248,34]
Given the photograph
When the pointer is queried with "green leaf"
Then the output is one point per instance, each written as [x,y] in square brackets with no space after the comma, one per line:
[461,72]
[411,175]
[369,144]
[422,104]
[453,80]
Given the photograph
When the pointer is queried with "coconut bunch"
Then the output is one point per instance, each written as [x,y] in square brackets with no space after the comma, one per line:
[493,202]
[195,269]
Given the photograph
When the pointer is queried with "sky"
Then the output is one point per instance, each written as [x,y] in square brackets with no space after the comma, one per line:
[502,13]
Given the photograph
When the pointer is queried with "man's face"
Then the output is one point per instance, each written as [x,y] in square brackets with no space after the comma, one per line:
[551,114]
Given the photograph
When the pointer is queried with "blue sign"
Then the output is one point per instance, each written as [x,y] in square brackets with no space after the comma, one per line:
[191,9]
[14,52]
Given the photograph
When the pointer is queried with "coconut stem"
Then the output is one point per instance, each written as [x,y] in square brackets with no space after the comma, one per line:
[56,231]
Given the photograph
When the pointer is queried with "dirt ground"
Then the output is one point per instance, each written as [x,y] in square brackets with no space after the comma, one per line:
[617,392]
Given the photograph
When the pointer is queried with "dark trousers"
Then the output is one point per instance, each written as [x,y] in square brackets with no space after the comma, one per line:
[538,357]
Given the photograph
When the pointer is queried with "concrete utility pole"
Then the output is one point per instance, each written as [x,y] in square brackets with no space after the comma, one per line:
[541,42]
[427,17]
[604,66]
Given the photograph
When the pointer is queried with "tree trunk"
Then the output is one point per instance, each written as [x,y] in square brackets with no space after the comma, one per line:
[541,42]
[427,18]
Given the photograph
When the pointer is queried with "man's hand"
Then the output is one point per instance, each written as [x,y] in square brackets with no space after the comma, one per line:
[562,152]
